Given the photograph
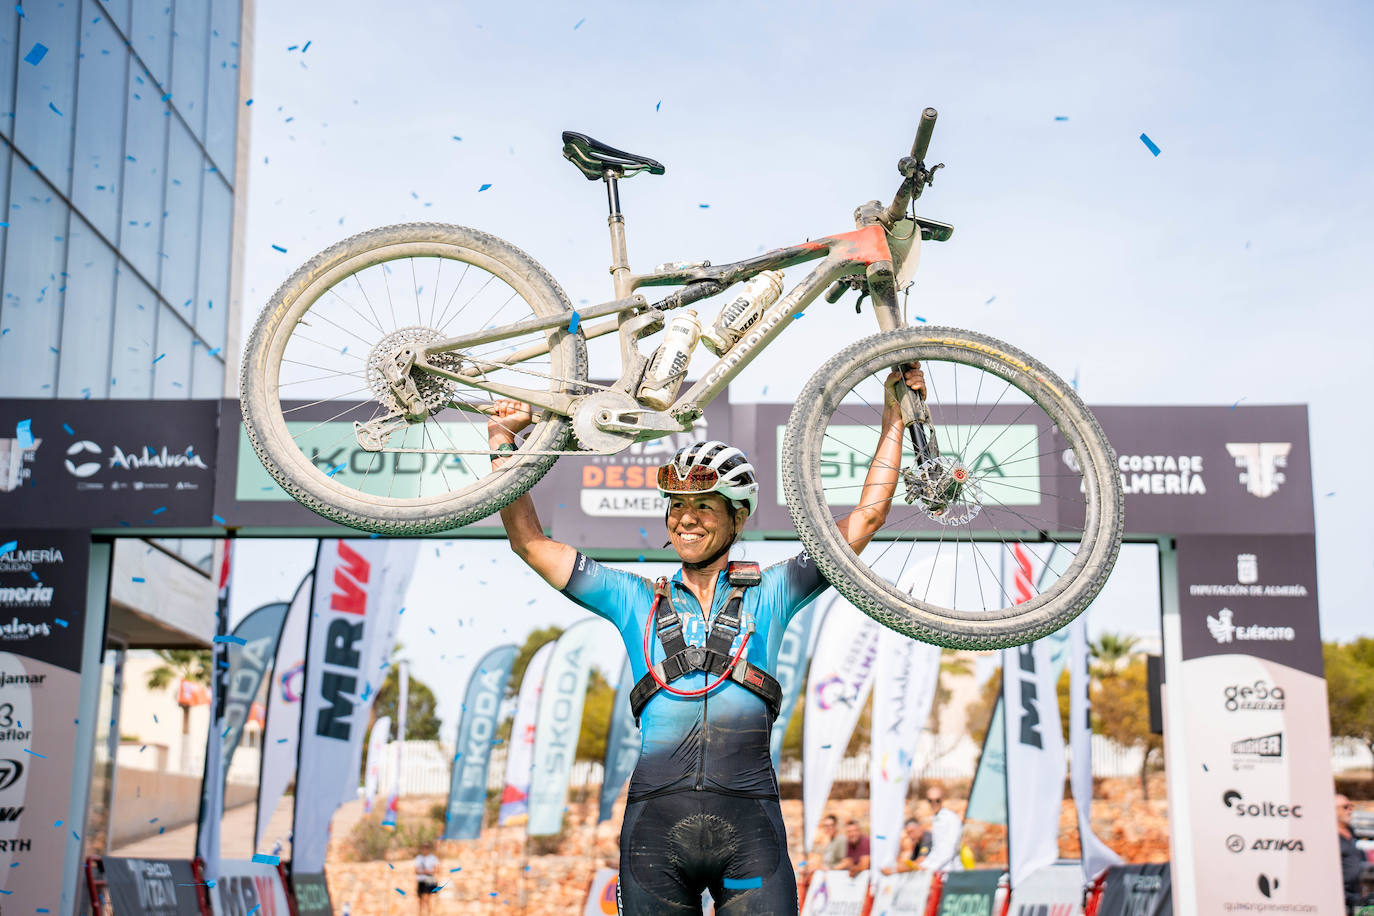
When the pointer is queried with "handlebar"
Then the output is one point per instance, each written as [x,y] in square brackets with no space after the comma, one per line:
[923,132]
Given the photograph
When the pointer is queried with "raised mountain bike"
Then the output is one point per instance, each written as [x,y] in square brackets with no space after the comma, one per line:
[369,376]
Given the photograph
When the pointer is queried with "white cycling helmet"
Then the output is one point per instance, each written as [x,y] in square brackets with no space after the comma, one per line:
[711,467]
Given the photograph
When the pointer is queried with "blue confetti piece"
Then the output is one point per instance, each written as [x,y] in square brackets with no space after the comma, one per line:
[7,547]
[458,138]
[1149,144]
[24,434]
[659,105]
[1237,404]
[45,757]
[256,908]
[266,860]
[1061,117]
[575,28]
[336,469]
[36,53]
[166,96]
[70,431]
[991,300]
[54,108]
[736,884]
[60,622]
[434,891]
[704,206]
[248,103]
[19,8]
[57,823]
[920,319]
[797,317]
[217,520]
[483,188]
[283,740]
[452,870]
[138,579]
[279,248]
[307,47]
[574,322]
[159,510]
[401,892]
[230,638]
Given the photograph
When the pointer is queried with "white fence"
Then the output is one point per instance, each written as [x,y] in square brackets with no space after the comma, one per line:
[426,767]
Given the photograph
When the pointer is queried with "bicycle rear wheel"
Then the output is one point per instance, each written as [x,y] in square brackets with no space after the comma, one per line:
[1016,551]
[312,368]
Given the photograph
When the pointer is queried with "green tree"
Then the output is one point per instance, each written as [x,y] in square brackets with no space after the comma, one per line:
[532,644]
[1112,649]
[1350,689]
[596,717]
[1121,711]
[181,665]
[978,713]
[422,718]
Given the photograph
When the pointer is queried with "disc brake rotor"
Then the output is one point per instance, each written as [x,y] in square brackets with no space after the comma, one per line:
[945,490]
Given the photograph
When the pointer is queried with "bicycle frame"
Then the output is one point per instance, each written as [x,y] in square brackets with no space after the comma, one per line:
[863,250]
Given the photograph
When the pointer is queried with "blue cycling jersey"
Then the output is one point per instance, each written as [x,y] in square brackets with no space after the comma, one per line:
[718,742]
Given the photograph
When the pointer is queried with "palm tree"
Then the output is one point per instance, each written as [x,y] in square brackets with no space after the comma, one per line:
[181,665]
[1112,650]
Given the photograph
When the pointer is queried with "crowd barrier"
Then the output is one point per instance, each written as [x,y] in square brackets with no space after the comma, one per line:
[178,887]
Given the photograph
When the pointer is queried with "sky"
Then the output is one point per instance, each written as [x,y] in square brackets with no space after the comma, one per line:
[1228,269]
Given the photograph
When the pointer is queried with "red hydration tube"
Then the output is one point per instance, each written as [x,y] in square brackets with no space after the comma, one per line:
[690,694]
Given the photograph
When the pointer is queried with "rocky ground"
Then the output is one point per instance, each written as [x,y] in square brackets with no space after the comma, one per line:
[499,872]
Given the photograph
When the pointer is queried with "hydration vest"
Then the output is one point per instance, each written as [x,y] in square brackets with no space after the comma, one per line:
[714,658]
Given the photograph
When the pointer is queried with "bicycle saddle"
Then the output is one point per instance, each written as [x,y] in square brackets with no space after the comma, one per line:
[594,157]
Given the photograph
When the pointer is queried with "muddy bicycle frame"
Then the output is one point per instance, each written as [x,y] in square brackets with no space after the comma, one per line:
[866,250]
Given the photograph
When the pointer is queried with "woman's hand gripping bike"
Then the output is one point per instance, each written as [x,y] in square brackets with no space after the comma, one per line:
[368,379]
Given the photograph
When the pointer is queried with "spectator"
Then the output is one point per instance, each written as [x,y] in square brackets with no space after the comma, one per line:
[1352,859]
[829,848]
[914,847]
[946,830]
[855,849]
[426,867]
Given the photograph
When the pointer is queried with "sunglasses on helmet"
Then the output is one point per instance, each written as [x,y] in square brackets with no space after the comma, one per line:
[699,479]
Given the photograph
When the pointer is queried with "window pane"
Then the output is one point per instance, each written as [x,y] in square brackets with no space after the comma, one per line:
[99,123]
[118,11]
[172,368]
[223,102]
[151,36]
[188,62]
[88,315]
[131,370]
[216,221]
[35,246]
[9,53]
[207,373]
[145,147]
[181,220]
[45,92]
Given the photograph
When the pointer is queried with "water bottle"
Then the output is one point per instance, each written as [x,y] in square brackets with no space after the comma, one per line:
[668,366]
[737,317]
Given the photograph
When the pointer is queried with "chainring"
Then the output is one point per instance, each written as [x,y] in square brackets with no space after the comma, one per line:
[435,390]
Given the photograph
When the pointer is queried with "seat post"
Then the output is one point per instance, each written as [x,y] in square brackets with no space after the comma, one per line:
[620,261]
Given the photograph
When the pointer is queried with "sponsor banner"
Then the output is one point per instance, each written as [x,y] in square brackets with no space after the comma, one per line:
[1142,890]
[971,893]
[151,887]
[249,665]
[612,500]
[838,684]
[42,627]
[247,887]
[557,725]
[987,798]
[1035,758]
[1211,470]
[393,795]
[1055,890]
[376,746]
[622,746]
[1096,855]
[903,691]
[355,605]
[515,797]
[905,894]
[247,496]
[1250,747]
[312,894]
[467,797]
[102,464]
[602,895]
[834,893]
[281,732]
[213,775]
[794,653]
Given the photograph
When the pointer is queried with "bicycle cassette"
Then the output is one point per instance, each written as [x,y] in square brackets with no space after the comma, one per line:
[434,390]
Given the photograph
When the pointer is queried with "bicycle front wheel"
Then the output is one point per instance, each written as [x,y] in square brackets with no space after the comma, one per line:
[1004,537]
[315,369]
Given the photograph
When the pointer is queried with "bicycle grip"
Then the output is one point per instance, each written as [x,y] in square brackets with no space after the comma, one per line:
[923,132]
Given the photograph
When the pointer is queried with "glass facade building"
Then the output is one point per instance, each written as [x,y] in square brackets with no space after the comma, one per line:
[119,121]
